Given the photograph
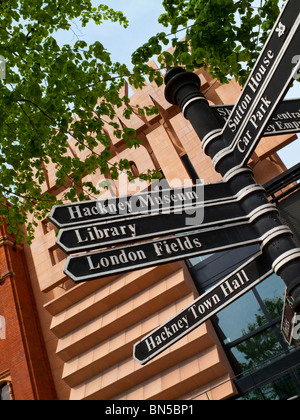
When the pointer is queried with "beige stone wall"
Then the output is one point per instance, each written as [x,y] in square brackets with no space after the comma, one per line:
[90,328]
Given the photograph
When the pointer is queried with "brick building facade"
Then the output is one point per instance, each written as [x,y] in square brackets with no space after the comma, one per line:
[23,358]
[69,341]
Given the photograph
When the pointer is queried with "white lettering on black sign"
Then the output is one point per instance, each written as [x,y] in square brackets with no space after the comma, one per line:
[246,277]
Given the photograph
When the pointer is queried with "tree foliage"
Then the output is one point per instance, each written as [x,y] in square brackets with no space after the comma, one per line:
[262,346]
[224,37]
[47,84]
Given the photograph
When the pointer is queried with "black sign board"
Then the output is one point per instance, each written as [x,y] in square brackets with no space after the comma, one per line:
[286,120]
[130,206]
[274,89]
[111,233]
[231,288]
[119,260]
[252,94]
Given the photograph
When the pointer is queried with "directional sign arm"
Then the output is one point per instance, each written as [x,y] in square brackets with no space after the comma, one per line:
[274,89]
[228,290]
[119,260]
[285,120]
[264,66]
[96,211]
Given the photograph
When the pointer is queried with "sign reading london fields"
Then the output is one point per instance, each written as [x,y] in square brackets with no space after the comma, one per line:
[231,288]
[119,260]
[286,120]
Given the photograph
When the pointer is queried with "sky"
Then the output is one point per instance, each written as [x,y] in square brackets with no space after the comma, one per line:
[120,42]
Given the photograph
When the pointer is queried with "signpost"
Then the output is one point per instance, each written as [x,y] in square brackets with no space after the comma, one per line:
[231,147]
[228,290]
[233,213]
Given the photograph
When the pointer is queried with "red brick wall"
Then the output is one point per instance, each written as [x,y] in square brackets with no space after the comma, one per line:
[22,352]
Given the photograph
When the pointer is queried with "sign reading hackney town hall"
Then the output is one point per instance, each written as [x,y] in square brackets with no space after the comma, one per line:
[127,233]
[229,289]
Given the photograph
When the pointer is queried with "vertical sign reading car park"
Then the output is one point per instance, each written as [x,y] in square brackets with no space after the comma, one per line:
[279,41]
[266,87]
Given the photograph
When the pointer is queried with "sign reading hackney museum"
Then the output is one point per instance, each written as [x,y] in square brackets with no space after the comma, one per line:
[96,211]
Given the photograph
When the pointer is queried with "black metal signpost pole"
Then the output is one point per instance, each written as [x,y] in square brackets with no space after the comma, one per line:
[183,89]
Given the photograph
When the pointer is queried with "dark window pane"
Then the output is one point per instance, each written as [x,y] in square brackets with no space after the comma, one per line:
[281,389]
[272,292]
[4,393]
[257,350]
[255,395]
[241,317]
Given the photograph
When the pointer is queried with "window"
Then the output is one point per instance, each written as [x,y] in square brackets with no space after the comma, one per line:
[5,392]
[285,387]
[209,270]
[258,349]
[250,329]
[134,170]
[250,326]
